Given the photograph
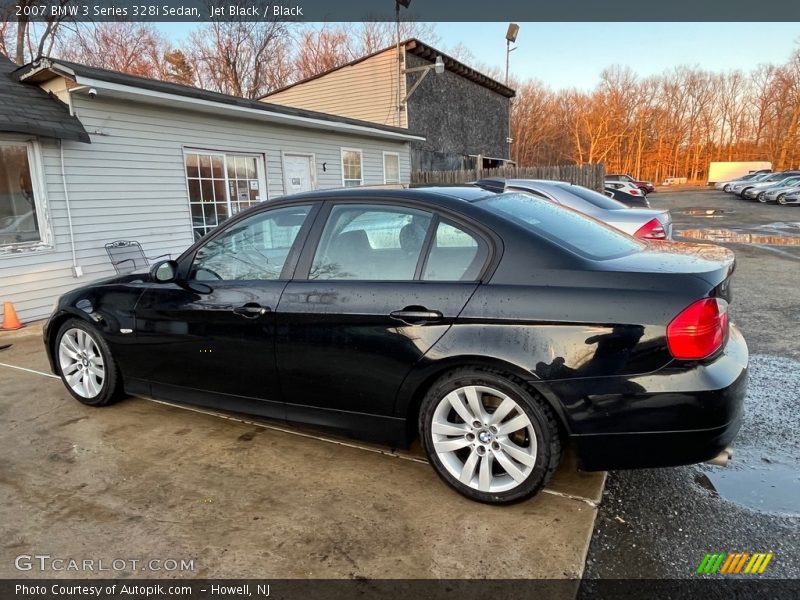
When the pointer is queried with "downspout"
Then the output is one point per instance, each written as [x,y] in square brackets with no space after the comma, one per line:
[76,270]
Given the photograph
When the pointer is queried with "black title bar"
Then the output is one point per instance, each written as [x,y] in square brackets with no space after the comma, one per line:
[390,589]
[418,10]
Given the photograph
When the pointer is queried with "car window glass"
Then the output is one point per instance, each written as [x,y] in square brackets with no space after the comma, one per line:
[567,228]
[455,255]
[371,242]
[255,248]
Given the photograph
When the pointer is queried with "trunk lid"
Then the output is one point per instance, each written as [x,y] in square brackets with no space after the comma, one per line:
[713,264]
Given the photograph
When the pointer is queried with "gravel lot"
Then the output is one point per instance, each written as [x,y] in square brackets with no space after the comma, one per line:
[659,523]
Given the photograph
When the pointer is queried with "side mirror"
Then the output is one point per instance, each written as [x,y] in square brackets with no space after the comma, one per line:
[165,271]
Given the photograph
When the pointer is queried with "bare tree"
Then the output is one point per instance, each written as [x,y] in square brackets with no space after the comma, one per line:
[26,38]
[135,48]
[323,49]
[246,59]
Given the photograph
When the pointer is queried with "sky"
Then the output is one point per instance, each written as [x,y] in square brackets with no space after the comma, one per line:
[566,55]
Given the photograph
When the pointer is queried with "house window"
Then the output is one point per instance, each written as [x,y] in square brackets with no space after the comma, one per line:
[391,167]
[221,185]
[21,204]
[352,174]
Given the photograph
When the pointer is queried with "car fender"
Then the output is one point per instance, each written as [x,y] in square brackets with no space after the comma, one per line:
[108,308]
[427,371]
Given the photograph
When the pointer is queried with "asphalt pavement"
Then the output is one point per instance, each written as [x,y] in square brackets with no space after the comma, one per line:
[660,523]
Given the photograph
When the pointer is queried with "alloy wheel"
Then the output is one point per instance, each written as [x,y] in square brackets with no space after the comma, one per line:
[762,197]
[782,199]
[484,438]
[81,363]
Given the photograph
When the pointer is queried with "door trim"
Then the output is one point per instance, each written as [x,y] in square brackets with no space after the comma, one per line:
[312,164]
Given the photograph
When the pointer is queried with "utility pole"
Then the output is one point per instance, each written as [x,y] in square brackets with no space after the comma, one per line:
[511,37]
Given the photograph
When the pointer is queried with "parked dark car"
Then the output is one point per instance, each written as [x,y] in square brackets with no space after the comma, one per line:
[497,327]
[646,186]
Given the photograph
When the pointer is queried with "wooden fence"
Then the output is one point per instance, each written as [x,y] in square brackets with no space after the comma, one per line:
[590,176]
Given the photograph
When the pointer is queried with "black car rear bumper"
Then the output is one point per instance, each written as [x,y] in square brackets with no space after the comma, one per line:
[689,426]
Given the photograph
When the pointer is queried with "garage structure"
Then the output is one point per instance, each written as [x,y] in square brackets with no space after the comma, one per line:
[111,156]
[464,113]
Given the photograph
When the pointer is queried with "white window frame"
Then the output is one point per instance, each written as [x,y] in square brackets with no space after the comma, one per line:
[261,172]
[45,241]
[341,163]
[385,154]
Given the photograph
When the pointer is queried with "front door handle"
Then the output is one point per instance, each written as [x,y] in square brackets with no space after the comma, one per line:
[416,315]
[251,310]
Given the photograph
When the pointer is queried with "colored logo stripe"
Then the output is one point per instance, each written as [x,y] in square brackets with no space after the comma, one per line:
[733,563]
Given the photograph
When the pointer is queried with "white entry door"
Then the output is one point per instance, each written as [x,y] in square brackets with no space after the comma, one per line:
[298,173]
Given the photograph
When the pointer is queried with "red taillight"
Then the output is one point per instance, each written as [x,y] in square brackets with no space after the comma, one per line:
[699,330]
[634,192]
[652,230]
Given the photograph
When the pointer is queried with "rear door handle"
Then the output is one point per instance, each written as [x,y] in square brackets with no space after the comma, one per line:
[251,311]
[416,315]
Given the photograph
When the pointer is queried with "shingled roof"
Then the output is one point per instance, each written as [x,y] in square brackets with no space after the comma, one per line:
[43,68]
[28,109]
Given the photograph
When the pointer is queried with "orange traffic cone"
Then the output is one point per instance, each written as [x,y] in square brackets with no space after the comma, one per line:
[10,318]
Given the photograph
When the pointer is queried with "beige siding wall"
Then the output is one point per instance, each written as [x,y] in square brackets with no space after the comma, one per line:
[366,90]
[129,183]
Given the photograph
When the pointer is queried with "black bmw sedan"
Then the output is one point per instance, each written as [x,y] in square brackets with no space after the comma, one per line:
[496,327]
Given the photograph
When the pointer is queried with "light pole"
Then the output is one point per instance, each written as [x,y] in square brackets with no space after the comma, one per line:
[397,5]
[511,37]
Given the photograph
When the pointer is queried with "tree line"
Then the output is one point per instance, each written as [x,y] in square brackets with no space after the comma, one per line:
[667,125]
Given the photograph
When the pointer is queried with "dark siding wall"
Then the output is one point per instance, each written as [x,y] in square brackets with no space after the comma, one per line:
[457,116]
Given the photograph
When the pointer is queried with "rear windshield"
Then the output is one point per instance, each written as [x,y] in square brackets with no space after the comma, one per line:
[567,228]
[594,198]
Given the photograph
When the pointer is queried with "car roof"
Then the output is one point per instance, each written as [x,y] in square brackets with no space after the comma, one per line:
[435,195]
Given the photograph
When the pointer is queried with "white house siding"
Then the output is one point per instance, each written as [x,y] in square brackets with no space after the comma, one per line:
[366,90]
[129,183]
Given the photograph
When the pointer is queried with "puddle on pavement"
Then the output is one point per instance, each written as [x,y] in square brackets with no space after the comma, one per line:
[705,212]
[739,237]
[764,484]
[781,226]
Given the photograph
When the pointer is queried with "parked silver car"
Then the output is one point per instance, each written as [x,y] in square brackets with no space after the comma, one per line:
[753,192]
[725,186]
[741,188]
[771,194]
[790,198]
[640,222]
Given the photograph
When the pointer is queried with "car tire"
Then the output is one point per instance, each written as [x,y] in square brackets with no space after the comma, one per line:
[762,197]
[492,461]
[85,364]
[781,199]
[726,189]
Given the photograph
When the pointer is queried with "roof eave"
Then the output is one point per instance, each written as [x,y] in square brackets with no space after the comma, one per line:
[48,132]
[163,98]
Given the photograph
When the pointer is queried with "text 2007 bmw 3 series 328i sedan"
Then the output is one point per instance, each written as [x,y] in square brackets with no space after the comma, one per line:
[497,327]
